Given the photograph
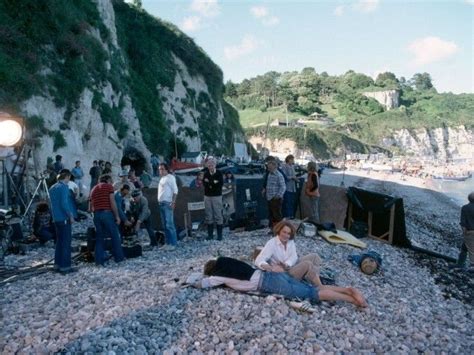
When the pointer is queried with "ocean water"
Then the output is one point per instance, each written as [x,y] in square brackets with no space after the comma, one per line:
[457,191]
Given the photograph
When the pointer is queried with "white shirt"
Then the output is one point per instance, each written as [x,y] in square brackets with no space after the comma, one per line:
[275,252]
[238,285]
[167,188]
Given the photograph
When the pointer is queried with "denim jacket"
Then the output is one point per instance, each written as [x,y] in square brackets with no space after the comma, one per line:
[61,204]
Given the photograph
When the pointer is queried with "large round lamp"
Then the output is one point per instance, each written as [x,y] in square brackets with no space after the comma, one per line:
[11,130]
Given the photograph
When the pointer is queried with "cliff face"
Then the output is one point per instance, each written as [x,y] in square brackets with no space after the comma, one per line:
[102,77]
[439,143]
[388,98]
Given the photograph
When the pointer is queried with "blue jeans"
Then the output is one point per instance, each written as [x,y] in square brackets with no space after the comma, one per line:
[289,204]
[62,254]
[104,222]
[281,283]
[167,222]
[46,233]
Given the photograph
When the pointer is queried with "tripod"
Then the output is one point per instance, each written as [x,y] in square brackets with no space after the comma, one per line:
[41,184]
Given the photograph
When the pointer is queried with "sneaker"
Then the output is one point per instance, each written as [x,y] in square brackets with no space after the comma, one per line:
[302,306]
[168,247]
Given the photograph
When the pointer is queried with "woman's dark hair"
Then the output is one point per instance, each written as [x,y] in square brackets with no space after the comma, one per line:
[42,207]
[470,197]
[282,224]
[289,157]
[210,267]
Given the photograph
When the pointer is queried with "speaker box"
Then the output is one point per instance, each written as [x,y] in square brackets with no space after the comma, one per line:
[132,251]
[248,193]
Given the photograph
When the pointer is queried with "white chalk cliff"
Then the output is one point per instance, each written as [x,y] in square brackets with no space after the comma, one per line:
[439,143]
[387,98]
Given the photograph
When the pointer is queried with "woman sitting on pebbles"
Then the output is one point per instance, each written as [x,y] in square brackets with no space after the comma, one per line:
[279,255]
[240,276]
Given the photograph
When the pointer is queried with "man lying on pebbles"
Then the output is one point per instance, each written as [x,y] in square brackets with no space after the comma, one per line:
[240,276]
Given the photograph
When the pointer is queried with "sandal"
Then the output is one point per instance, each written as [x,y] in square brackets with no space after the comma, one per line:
[302,306]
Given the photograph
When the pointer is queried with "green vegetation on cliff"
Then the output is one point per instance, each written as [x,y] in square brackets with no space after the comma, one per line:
[60,48]
[341,99]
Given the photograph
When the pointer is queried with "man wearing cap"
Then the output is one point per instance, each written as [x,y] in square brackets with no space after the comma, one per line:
[123,175]
[167,193]
[63,216]
[213,182]
[140,215]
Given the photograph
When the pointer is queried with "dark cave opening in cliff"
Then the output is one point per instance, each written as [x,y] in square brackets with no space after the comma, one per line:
[135,158]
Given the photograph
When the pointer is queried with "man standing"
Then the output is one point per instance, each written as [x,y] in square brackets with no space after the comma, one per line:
[120,203]
[312,191]
[94,172]
[154,164]
[273,191]
[106,219]
[167,192]
[63,217]
[290,193]
[78,175]
[140,215]
[213,182]
[467,225]
[58,165]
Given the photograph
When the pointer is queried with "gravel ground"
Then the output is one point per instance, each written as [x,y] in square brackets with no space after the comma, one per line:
[141,306]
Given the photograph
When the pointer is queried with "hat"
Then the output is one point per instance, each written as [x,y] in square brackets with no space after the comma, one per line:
[123,173]
[136,193]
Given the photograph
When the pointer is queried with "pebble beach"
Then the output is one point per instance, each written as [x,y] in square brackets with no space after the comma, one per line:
[416,303]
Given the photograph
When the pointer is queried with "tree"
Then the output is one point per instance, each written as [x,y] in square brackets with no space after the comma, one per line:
[386,79]
[230,89]
[421,81]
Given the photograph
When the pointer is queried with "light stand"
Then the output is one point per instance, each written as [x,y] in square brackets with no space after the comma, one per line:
[41,184]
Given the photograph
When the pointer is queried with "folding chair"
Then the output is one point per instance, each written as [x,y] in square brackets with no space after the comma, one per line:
[188,221]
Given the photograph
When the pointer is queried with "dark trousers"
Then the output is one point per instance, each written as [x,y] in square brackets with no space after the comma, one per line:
[274,211]
[62,254]
[105,225]
[146,224]
[45,234]
[289,204]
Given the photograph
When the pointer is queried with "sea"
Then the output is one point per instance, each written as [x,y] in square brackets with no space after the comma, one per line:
[457,191]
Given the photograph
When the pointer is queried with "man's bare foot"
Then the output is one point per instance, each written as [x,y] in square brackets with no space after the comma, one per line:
[361,302]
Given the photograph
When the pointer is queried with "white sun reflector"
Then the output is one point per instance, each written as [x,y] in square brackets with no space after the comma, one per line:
[11,130]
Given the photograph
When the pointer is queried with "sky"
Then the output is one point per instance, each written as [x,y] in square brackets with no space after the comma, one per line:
[250,38]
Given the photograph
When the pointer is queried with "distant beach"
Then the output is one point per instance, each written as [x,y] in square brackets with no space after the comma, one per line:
[456,191]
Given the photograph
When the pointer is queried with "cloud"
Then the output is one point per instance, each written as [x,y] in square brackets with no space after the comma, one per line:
[206,8]
[263,14]
[366,6]
[191,23]
[431,49]
[248,45]
[271,21]
[339,10]
[259,11]
[470,2]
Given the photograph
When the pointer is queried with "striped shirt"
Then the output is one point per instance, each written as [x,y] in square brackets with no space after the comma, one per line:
[100,197]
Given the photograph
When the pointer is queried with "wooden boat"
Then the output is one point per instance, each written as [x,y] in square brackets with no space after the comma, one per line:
[453,177]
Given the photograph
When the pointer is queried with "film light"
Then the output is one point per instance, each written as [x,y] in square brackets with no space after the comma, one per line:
[11,130]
